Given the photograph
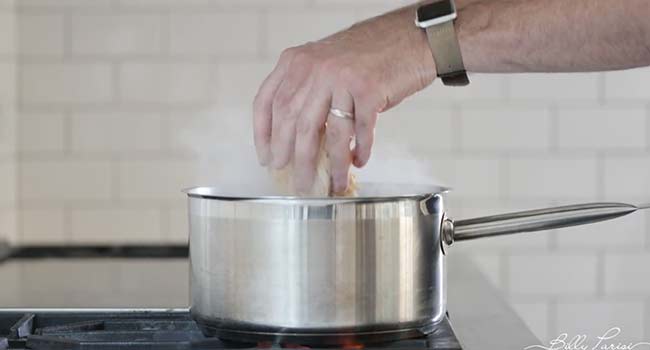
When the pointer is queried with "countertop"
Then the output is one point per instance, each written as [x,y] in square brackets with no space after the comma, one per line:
[479,315]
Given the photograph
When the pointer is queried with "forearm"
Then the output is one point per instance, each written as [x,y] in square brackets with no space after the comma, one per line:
[374,65]
[541,35]
[554,35]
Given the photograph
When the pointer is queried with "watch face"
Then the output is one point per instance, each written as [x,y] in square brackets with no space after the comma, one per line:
[435,10]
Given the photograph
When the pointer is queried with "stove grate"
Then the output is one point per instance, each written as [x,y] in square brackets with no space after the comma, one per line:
[146,330]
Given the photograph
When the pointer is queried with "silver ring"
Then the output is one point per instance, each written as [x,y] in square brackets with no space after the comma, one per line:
[341,114]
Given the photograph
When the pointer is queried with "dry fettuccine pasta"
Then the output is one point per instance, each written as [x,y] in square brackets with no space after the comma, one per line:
[322,186]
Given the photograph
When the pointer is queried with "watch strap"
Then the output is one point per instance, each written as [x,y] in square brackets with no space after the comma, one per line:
[446,53]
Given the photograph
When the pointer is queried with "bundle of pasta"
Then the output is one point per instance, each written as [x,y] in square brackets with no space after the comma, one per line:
[322,185]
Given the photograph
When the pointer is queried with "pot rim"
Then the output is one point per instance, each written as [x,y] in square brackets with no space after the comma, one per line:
[371,192]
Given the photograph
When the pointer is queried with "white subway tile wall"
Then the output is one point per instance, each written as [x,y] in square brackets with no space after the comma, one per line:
[98,133]
[61,180]
[116,34]
[107,89]
[41,34]
[542,87]
[132,224]
[552,274]
[602,128]
[64,84]
[40,225]
[7,184]
[188,34]
[624,275]
[41,133]
[7,31]
[284,30]
[167,83]
[627,175]
[505,129]
[553,177]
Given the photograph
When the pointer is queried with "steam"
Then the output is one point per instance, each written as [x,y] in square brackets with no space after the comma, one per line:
[223,142]
[399,172]
[396,164]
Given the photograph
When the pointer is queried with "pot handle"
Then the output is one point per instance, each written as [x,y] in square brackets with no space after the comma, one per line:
[532,220]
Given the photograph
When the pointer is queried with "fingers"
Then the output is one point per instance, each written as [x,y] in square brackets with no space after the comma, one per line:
[293,104]
[308,137]
[337,142]
[262,112]
[287,105]
[364,129]
[369,101]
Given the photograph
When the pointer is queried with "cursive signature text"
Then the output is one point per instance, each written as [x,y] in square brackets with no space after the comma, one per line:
[581,342]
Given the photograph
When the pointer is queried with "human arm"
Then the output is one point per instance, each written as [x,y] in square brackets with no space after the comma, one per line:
[375,64]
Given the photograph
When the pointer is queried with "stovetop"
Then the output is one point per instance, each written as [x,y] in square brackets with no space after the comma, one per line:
[480,316]
[158,329]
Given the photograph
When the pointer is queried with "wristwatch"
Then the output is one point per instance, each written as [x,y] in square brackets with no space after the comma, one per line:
[437,19]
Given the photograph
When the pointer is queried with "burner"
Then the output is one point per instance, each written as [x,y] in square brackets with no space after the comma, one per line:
[151,329]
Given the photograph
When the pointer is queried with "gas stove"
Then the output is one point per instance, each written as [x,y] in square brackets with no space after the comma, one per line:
[158,329]
[480,317]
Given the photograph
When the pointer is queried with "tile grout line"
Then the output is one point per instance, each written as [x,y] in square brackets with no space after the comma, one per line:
[506,86]
[68,126]
[165,232]
[166,35]
[166,147]
[647,127]
[602,89]
[553,243]
[115,82]
[17,75]
[67,35]
[554,132]
[18,203]
[263,50]
[67,223]
[504,178]
[456,129]
[115,182]
[600,175]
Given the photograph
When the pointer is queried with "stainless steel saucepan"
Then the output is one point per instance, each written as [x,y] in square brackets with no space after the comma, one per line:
[318,271]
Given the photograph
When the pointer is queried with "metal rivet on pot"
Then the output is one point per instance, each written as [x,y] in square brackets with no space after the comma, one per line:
[446,233]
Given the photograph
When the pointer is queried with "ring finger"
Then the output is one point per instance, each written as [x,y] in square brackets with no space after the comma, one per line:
[339,134]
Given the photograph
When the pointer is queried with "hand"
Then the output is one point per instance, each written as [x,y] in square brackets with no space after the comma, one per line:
[366,69]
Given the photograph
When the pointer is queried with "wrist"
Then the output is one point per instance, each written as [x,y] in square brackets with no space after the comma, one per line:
[426,65]
[472,19]
[438,20]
